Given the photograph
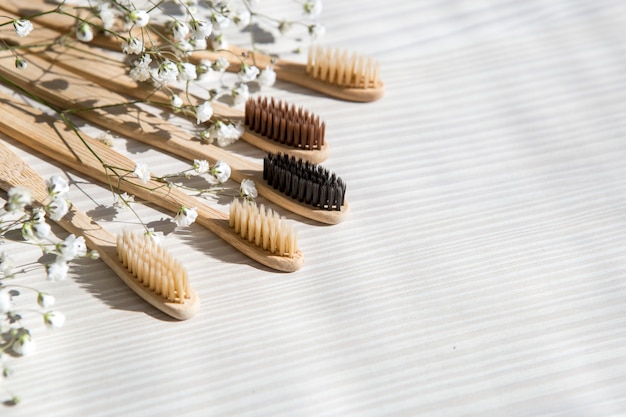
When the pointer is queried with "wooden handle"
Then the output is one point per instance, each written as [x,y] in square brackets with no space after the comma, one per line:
[15,172]
[45,134]
[68,90]
[289,71]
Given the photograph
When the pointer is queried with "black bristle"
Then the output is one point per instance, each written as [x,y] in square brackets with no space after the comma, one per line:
[304,181]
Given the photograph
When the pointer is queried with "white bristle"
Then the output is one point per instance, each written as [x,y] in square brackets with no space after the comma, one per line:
[152,266]
[336,67]
[263,227]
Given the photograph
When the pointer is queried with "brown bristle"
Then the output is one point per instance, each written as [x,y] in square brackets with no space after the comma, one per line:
[152,266]
[263,227]
[284,123]
[337,67]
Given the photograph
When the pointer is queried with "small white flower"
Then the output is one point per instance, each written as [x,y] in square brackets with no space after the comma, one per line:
[166,72]
[284,27]
[5,301]
[141,70]
[105,138]
[134,45]
[54,319]
[247,73]
[35,231]
[221,171]
[219,42]
[242,18]
[157,237]
[107,15]
[313,7]
[84,33]
[204,112]
[140,18]
[200,29]
[176,102]
[142,172]
[240,94]
[184,48]
[225,133]
[187,72]
[185,216]
[199,44]
[221,64]
[45,300]
[24,345]
[220,21]
[71,248]
[18,197]
[317,31]
[57,208]
[57,271]
[180,30]
[248,189]
[20,63]
[22,27]
[200,166]
[123,200]
[267,77]
[6,265]
[57,186]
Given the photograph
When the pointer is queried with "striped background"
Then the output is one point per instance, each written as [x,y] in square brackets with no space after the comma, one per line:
[482,271]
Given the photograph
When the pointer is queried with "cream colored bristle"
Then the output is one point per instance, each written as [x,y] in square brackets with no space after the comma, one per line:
[263,227]
[339,68]
[153,267]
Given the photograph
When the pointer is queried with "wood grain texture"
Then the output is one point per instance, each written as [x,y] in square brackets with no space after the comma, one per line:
[482,271]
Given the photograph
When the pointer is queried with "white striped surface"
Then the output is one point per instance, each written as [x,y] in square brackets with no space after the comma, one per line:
[482,270]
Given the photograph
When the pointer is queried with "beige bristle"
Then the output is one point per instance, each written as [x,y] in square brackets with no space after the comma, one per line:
[152,266]
[336,67]
[263,227]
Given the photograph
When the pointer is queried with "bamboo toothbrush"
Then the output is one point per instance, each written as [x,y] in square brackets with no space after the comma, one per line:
[41,132]
[65,89]
[329,71]
[163,282]
[270,125]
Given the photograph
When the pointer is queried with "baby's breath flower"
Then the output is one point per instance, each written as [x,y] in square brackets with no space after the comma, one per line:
[184,48]
[248,189]
[240,94]
[105,138]
[57,186]
[204,112]
[57,208]
[140,18]
[141,70]
[284,27]
[57,270]
[200,29]
[142,172]
[84,33]
[123,200]
[180,30]
[22,27]
[247,73]
[54,319]
[242,18]
[6,265]
[267,77]
[18,198]
[317,31]
[220,21]
[221,64]
[221,171]
[157,237]
[24,344]
[176,102]
[5,301]
[199,44]
[35,231]
[224,133]
[20,63]
[71,248]
[187,72]
[134,45]
[185,216]
[107,15]
[200,166]
[166,72]
[313,7]
[45,300]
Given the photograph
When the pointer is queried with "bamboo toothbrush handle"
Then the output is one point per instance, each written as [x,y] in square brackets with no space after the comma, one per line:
[15,172]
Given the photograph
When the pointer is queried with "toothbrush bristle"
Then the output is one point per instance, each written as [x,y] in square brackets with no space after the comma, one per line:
[263,227]
[284,123]
[304,181]
[342,69]
[153,266]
